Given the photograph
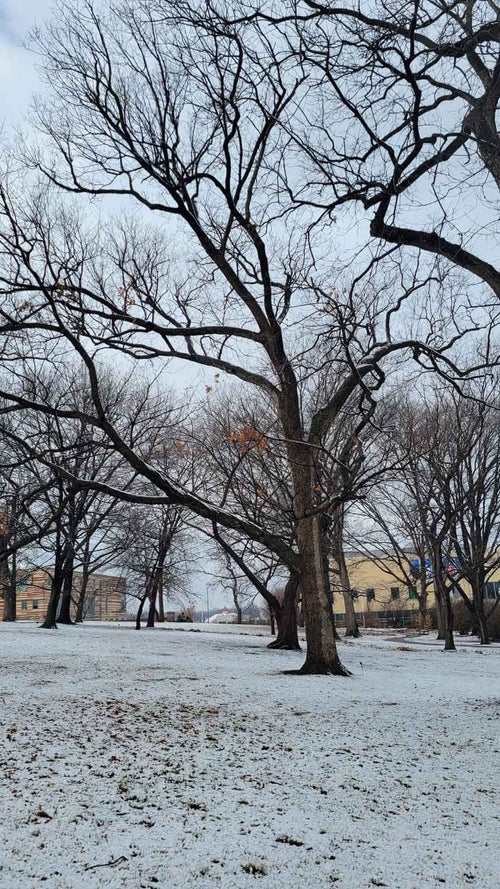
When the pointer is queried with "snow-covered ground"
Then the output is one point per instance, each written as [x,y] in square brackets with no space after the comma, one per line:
[177,759]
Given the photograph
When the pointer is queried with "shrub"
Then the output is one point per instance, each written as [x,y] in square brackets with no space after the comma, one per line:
[464,619]
[493,618]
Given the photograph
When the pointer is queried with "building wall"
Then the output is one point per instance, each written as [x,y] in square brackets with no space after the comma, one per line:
[105,596]
[392,600]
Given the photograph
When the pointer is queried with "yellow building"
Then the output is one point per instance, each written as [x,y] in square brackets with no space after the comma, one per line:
[382,594]
[386,594]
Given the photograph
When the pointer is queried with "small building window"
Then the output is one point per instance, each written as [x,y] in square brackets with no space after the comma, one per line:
[35,604]
[370,594]
[492,589]
[24,605]
[394,592]
[412,592]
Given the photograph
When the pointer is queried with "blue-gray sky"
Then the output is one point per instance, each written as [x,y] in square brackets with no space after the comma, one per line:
[18,76]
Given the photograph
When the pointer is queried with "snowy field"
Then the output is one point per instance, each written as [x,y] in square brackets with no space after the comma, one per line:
[177,759]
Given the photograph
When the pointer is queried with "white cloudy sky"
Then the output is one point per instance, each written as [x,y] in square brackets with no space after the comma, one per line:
[18,76]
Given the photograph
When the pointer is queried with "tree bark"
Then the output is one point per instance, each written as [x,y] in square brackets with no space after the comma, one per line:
[286,617]
[351,620]
[153,592]
[49,622]
[68,560]
[484,635]
[322,656]
[8,584]
[449,642]
[444,607]
[273,626]
[333,537]
[422,597]
[440,619]
[139,611]
[161,603]
[478,599]
[67,589]
[84,585]
[81,596]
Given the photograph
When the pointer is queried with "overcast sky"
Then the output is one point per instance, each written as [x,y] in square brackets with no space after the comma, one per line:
[18,76]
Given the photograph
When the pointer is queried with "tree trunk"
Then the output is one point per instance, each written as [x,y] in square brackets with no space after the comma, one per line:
[9,601]
[440,618]
[273,625]
[161,603]
[152,601]
[81,597]
[85,582]
[286,617]
[449,642]
[67,589]
[351,620]
[235,592]
[139,611]
[55,594]
[422,598]
[478,599]
[8,585]
[68,561]
[482,623]
[322,656]
[337,545]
